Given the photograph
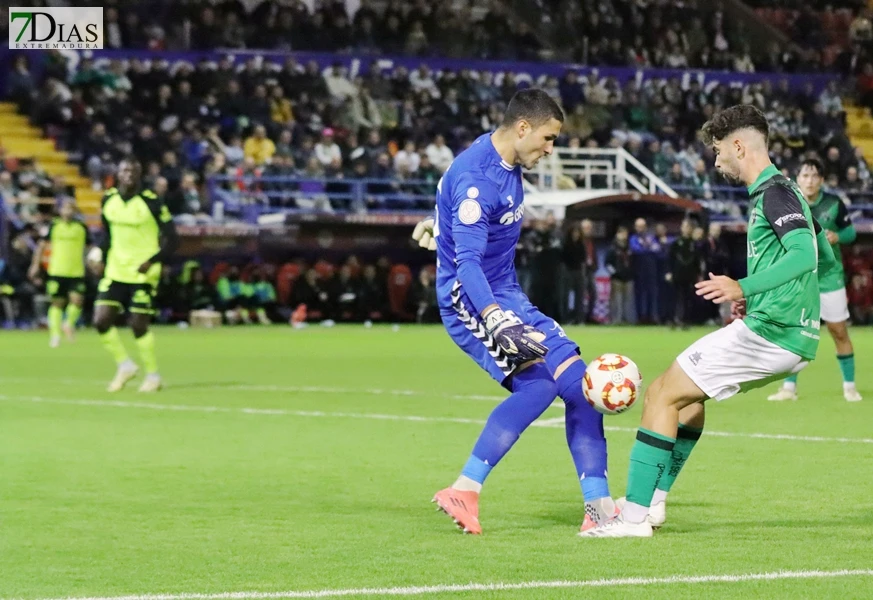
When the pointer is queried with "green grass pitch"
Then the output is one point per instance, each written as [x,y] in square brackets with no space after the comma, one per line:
[301,461]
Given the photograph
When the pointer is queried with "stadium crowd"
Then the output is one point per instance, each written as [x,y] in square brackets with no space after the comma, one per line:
[187,124]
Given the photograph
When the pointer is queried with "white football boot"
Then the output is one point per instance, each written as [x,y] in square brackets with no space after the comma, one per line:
[782,395]
[618,527]
[151,383]
[657,512]
[126,371]
[851,394]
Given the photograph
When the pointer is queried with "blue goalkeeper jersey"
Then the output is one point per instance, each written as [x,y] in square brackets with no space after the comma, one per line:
[479,210]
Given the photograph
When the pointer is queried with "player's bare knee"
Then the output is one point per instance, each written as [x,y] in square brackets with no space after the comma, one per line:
[102,324]
[139,329]
[839,332]
[693,415]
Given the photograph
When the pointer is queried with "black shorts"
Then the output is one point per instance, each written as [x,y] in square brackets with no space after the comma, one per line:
[134,297]
[61,287]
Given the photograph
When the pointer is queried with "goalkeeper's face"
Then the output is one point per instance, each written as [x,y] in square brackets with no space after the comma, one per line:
[536,142]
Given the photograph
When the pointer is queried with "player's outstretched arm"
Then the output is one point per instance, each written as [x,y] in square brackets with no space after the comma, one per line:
[784,213]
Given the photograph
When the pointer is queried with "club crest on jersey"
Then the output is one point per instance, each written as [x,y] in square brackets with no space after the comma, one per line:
[469,211]
[513,217]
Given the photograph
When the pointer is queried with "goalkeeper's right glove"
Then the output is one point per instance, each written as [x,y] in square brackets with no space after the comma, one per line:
[521,343]
[423,234]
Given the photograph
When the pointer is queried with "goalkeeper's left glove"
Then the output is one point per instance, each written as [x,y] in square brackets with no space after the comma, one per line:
[423,234]
[521,343]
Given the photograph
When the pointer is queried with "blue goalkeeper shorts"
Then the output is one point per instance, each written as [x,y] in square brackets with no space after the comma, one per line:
[467,330]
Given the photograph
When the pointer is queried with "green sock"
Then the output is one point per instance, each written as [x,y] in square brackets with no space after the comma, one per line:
[686,438]
[73,313]
[649,458]
[847,367]
[146,345]
[112,342]
[793,378]
[55,317]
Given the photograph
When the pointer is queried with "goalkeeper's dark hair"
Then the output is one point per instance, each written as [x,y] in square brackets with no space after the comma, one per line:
[532,105]
[815,164]
[729,120]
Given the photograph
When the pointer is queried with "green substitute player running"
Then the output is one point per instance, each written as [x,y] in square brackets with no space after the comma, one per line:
[832,215]
[779,334]
[138,235]
[67,237]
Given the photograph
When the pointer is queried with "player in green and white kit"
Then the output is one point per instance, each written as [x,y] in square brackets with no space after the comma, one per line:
[67,237]
[779,334]
[829,210]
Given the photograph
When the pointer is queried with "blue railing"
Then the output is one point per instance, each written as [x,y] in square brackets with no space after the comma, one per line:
[250,196]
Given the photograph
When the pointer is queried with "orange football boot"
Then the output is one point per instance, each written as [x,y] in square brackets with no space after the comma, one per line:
[462,506]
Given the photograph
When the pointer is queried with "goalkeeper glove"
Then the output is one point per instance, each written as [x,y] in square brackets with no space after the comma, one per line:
[521,343]
[423,234]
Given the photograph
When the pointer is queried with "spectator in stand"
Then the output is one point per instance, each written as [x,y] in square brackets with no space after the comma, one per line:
[422,298]
[619,264]
[439,155]
[666,297]
[259,147]
[234,297]
[573,255]
[684,272]
[263,297]
[644,247]
[373,295]
[197,294]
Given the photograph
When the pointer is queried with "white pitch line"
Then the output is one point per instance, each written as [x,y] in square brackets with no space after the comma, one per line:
[498,587]
[545,423]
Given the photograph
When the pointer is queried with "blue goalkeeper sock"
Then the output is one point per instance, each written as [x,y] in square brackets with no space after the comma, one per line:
[584,427]
[533,390]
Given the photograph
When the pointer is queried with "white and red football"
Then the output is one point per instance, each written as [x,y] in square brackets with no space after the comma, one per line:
[612,383]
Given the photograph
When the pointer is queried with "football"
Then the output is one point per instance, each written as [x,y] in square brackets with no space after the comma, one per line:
[612,383]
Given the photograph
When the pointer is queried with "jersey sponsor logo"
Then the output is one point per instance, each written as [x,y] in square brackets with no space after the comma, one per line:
[807,322]
[695,358]
[787,218]
[472,192]
[509,199]
[469,212]
[513,217]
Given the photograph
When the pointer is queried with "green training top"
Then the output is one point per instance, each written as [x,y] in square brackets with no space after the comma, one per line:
[68,240]
[132,227]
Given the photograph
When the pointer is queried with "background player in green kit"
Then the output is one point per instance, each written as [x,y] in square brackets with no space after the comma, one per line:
[138,235]
[68,237]
[832,215]
[779,334]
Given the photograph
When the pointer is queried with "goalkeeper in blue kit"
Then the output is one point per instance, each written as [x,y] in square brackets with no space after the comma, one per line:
[479,211]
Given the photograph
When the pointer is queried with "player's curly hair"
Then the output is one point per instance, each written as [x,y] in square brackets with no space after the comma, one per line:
[532,105]
[729,120]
